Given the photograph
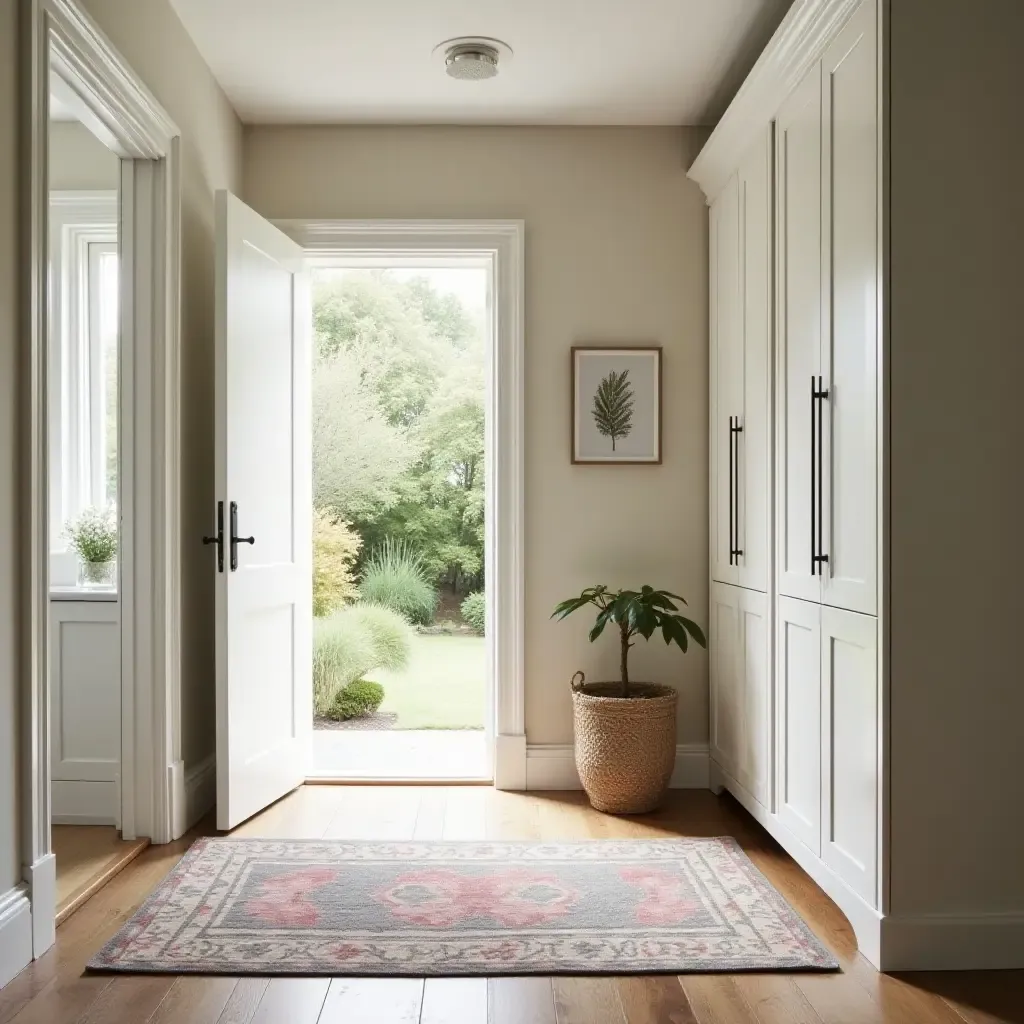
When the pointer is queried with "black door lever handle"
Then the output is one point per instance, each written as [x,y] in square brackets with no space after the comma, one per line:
[235,539]
[219,539]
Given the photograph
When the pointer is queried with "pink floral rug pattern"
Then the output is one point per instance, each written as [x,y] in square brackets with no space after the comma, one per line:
[263,906]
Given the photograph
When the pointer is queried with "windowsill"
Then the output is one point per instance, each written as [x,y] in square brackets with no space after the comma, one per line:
[81,594]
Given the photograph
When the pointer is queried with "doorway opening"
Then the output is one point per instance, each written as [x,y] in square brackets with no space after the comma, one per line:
[402,684]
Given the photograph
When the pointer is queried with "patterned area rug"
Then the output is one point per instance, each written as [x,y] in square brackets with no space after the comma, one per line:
[260,906]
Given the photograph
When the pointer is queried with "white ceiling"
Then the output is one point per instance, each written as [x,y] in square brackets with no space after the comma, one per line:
[575,62]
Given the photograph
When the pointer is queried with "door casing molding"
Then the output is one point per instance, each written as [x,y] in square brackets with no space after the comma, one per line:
[58,38]
[502,241]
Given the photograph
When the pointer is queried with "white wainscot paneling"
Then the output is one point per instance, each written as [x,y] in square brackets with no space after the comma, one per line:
[85,709]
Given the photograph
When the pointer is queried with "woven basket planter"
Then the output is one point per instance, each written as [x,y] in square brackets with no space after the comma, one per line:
[625,747]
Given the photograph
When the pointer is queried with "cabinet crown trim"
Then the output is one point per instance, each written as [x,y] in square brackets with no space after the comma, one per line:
[798,43]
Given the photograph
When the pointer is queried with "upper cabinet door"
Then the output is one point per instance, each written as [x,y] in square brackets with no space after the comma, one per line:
[726,379]
[850,268]
[798,344]
[752,445]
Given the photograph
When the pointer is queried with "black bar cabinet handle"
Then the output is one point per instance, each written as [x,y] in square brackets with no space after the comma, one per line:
[734,439]
[219,539]
[731,544]
[814,546]
[822,395]
[235,539]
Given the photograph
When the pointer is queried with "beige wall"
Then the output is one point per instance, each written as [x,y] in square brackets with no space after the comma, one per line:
[78,160]
[957,363]
[10,858]
[152,40]
[616,251]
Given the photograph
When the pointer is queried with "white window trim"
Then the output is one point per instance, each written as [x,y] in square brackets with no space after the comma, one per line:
[500,243]
[82,223]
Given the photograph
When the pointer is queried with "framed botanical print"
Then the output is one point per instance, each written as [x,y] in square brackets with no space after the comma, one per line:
[616,404]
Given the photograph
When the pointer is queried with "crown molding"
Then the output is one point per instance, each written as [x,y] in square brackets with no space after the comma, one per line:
[797,44]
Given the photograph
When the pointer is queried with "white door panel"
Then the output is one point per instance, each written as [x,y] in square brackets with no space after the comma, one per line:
[726,376]
[849,729]
[753,447]
[263,480]
[798,347]
[724,639]
[798,675]
[754,768]
[850,348]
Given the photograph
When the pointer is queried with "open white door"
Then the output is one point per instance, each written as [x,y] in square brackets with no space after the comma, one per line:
[264,500]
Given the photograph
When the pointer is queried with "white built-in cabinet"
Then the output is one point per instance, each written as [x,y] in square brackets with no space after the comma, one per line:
[740,427]
[85,711]
[794,248]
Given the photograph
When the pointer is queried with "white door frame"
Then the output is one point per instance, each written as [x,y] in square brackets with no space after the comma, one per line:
[334,241]
[58,37]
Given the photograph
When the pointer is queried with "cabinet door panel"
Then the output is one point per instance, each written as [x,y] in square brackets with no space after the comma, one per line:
[798,261]
[724,639]
[726,370]
[849,728]
[850,349]
[754,758]
[754,444]
[798,675]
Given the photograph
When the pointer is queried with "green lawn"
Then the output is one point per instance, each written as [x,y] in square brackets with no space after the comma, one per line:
[443,687]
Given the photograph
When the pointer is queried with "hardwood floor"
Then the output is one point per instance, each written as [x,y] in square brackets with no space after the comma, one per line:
[88,856]
[54,990]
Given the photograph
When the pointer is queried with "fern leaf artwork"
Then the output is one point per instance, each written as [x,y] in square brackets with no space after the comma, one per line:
[613,406]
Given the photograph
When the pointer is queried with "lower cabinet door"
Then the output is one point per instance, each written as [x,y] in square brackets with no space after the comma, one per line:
[798,731]
[849,731]
[724,643]
[741,712]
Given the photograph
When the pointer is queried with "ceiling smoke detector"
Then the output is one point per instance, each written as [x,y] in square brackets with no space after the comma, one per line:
[472,58]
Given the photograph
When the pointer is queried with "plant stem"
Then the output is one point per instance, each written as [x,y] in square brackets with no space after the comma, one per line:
[624,659]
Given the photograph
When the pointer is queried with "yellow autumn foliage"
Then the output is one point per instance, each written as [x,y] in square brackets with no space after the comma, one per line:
[335,548]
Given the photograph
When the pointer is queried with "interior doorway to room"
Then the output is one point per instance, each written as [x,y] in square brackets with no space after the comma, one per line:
[401,686]
[85,622]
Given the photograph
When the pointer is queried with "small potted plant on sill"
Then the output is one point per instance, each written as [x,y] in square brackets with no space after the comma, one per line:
[625,732]
[93,535]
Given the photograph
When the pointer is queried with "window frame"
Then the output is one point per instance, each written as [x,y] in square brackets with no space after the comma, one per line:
[83,226]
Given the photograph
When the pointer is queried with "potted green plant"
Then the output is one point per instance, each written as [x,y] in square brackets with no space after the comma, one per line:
[93,535]
[625,732]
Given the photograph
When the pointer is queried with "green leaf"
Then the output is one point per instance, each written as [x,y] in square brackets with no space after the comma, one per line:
[613,406]
[695,631]
[668,593]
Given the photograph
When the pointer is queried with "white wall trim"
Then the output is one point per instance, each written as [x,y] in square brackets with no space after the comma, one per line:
[15,932]
[553,766]
[953,942]
[42,887]
[200,790]
[59,37]
[502,241]
[798,42]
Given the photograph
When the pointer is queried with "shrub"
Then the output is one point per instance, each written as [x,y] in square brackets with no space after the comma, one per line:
[352,642]
[335,547]
[395,578]
[474,611]
[360,698]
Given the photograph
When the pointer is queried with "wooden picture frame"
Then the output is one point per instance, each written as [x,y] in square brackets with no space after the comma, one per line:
[616,399]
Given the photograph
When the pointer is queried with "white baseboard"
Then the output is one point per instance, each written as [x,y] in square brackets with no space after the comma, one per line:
[510,755]
[74,802]
[200,791]
[953,942]
[42,883]
[15,932]
[553,766]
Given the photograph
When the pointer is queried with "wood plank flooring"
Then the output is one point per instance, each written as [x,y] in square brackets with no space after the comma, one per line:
[88,856]
[54,990]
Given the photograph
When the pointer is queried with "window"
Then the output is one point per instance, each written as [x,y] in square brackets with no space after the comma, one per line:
[83,386]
